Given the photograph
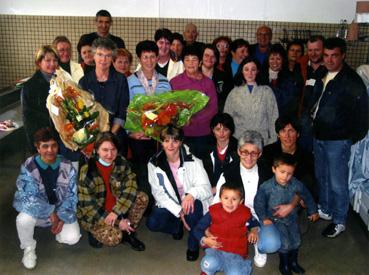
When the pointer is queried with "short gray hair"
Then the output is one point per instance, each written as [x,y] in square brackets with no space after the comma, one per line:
[104,43]
[251,137]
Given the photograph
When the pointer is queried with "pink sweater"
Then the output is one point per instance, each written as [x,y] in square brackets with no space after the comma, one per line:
[200,122]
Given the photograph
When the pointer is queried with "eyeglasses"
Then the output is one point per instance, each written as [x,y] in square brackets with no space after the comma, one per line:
[107,56]
[222,45]
[246,153]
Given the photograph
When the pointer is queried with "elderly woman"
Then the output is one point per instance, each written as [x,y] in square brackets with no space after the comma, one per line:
[252,106]
[285,88]
[197,132]
[107,194]
[181,190]
[288,132]
[122,62]
[210,58]
[222,43]
[224,147]
[35,92]
[109,87]
[250,173]
[64,49]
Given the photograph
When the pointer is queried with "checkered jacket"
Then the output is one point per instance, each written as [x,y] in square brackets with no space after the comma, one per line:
[92,192]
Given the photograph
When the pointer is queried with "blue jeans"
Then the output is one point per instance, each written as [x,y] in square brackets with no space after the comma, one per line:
[269,239]
[290,236]
[161,220]
[331,171]
[218,260]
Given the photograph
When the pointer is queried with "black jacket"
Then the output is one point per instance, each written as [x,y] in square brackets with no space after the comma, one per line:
[343,108]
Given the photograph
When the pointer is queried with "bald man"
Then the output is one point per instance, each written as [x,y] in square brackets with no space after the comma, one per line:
[190,35]
[260,50]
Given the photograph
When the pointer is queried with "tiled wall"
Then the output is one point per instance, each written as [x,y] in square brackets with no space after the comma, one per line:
[21,36]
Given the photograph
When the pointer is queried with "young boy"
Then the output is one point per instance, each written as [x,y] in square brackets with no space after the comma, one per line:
[223,232]
[279,190]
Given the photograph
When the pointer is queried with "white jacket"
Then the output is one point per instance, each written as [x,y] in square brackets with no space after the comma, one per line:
[174,68]
[76,71]
[191,173]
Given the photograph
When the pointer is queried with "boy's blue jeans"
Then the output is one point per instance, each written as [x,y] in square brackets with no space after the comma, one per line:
[230,263]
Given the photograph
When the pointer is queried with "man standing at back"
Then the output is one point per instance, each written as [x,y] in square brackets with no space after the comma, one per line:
[340,118]
[260,50]
[103,22]
[190,35]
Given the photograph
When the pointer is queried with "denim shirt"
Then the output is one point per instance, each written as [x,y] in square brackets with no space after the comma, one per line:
[270,194]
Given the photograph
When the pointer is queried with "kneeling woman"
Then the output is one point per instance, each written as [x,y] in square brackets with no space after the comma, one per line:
[108,197]
[181,190]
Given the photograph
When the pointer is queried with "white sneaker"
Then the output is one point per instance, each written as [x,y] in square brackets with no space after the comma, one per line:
[259,258]
[324,216]
[29,258]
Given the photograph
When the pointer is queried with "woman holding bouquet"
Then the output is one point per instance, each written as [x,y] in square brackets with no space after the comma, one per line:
[107,194]
[146,81]
[197,132]
[109,87]
[181,190]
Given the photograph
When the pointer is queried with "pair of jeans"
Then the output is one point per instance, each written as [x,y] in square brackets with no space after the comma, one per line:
[161,220]
[231,264]
[269,239]
[331,171]
[290,236]
[26,224]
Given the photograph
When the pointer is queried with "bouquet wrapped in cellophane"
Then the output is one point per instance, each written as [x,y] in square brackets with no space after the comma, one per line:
[77,117]
[150,114]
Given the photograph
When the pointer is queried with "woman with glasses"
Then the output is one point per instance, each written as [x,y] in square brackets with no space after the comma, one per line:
[222,44]
[109,87]
[249,172]
[252,106]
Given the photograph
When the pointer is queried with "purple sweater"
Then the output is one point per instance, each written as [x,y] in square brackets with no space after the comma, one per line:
[200,122]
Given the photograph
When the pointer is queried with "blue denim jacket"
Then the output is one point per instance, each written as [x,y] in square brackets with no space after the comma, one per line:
[271,194]
[31,197]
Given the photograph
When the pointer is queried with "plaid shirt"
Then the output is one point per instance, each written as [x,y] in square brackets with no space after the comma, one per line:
[92,191]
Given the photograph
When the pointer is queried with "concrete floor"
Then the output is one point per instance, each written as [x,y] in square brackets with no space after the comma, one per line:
[347,254]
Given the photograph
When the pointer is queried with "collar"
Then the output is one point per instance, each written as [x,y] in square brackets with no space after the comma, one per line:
[44,165]
[249,171]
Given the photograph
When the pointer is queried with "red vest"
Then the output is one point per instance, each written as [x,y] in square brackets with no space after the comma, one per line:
[230,228]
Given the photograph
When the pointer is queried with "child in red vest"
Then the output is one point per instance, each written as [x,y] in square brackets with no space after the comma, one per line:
[223,232]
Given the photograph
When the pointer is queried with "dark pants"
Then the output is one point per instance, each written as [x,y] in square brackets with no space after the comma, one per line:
[290,236]
[161,220]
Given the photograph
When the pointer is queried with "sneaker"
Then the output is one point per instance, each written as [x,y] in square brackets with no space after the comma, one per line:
[29,258]
[333,230]
[324,216]
[260,259]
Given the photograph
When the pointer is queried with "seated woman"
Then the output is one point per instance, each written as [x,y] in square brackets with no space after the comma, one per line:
[252,106]
[224,147]
[288,131]
[250,173]
[181,190]
[210,58]
[197,132]
[122,62]
[107,194]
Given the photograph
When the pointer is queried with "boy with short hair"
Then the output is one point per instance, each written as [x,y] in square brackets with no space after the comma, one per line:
[279,190]
[223,232]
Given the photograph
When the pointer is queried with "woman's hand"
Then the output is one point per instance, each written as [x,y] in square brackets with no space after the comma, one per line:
[111,218]
[283,210]
[188,204]
[183,219]
[138,136]
[212,242]
[56,224]
[125,225]
[253,236]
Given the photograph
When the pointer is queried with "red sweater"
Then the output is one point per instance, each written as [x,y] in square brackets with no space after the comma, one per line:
[105,172]
[230,228]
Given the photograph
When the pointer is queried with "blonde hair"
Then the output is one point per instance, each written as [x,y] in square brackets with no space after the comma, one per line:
[41,53]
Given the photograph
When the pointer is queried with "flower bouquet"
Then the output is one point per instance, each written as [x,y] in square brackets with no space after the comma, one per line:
[75,114]
[150,114]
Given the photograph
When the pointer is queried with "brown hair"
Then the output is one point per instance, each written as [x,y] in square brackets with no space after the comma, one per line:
[123,52]
[41,53]
[106,136]
[59,39]
[44,135]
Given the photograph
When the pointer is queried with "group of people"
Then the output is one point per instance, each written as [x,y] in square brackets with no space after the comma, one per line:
[274,137]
